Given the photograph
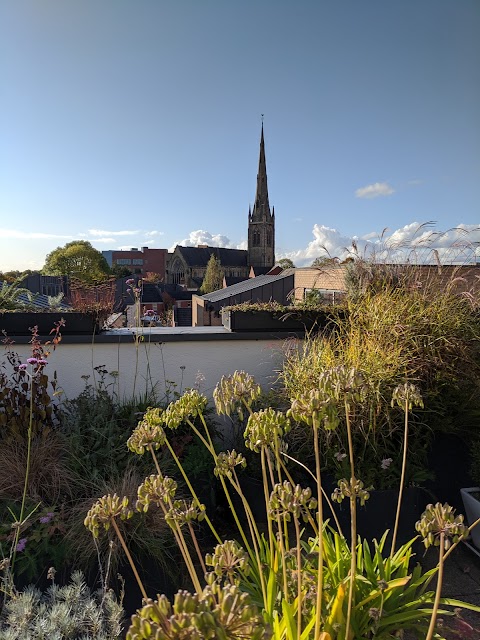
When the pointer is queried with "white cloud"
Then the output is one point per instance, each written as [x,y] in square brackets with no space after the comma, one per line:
[150,234]
[414,242]
[205,237]
[30,235]
[102,233]
[104,240]
[375,190]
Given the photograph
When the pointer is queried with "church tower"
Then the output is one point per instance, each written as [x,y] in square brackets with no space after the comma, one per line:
[261,221]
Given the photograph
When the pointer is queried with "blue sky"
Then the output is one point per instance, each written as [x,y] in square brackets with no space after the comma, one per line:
[132,123]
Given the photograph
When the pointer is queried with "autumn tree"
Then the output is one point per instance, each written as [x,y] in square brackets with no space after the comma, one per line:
[213,278]
[77,259]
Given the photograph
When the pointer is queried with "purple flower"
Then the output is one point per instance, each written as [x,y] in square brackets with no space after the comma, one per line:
[22,543]
[22,367]
[130,281]
[150,312]
[46,519]
[340,456]
[386,462]
[42,362]
[32,360]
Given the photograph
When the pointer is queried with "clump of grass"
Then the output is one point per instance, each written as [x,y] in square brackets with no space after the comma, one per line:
[415,324]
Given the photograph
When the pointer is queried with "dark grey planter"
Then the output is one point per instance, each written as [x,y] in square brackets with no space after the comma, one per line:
[20,323]
[273,320]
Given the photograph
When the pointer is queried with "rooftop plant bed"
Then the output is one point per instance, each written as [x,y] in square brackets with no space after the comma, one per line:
[19,323]
[271,316]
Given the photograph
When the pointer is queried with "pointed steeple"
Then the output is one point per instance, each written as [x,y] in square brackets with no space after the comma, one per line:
[261,208]
[261,221]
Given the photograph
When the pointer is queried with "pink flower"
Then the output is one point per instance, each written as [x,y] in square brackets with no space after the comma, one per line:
[42,362]
[130,281]
[22,367]
[32,360]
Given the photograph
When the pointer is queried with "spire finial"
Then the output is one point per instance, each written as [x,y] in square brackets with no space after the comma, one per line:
[262,118]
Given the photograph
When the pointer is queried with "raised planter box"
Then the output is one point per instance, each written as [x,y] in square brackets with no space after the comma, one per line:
[273,320]
[20,323]
[471,502]
[379,511]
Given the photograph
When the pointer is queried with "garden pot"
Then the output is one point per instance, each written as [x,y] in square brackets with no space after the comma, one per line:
[20,323]
[471,502]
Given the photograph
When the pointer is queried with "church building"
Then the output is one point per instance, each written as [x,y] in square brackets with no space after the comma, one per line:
[187,265]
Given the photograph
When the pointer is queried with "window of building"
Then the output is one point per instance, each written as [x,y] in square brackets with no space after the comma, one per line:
[137,261]
[269,237]
[123,261]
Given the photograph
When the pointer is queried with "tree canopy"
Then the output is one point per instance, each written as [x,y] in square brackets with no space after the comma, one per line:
[285,263]
[213,278]
[77,259]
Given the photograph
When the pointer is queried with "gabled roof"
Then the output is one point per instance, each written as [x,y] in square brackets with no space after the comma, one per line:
[41,301]
[199,256]
[246,285]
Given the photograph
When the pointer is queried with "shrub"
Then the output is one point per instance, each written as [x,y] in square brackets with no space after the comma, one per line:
[62,612]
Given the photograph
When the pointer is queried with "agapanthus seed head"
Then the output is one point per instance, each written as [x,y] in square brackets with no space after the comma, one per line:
[441,519]
[227,560]
[235,392]
[104,509]
[351,489]
[287,500]
[227,461]
[182,512]
[407,396]
[343,383]
[217,612]
[265,428]
[314,406]
[188,406]
[157,490]
[148,433]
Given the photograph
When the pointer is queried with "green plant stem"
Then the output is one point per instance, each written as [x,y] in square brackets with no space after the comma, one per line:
[320,530]
[192,490]
[267,499]
[353,520]
[197,548]
[281,535]
[129,558]
[324,493]
[157,466]
[254,533]
[402,478]
[25,484]
[299,579]
[438,592]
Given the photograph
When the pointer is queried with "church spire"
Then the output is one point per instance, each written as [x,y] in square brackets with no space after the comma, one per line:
[261,221]
[261,208]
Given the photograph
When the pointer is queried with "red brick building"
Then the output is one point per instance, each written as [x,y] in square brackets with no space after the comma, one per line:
[140,261]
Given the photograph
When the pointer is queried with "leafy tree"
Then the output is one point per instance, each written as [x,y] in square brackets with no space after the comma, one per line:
[77,259]
[120,271]
[213,279]
[285,263]
[325,261]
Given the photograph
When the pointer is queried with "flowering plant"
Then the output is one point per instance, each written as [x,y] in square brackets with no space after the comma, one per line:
[297,577]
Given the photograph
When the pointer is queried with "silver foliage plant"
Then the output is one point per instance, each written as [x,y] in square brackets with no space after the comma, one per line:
[71,611]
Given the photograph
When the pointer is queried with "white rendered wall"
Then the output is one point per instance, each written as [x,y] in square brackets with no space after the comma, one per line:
[184,363]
